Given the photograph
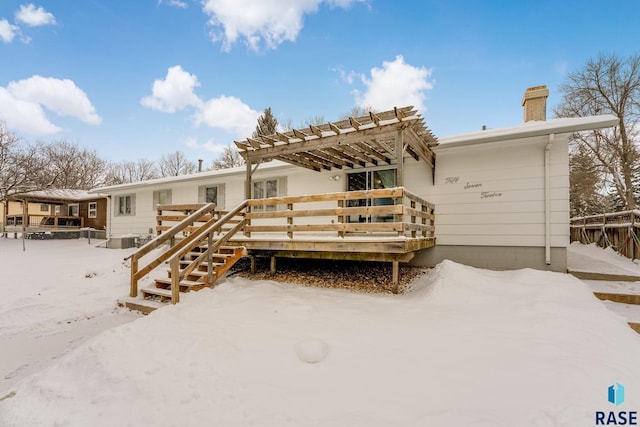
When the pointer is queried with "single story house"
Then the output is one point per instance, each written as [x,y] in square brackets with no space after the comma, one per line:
[501,196]
[55,211]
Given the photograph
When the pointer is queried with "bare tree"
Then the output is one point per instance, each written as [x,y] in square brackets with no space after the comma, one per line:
[287,125]
[176,164]
[72,166]
[315,120]
[131,171]
[608,85]
[229,158]
[357,112]
[20,166]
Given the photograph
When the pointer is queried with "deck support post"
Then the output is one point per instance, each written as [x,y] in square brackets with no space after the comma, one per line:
[253,264]
[209,259]
[272,265]
[175,280]
[133,292]
[395,275]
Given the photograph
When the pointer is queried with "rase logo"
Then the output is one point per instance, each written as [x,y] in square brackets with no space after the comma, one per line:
[615,396]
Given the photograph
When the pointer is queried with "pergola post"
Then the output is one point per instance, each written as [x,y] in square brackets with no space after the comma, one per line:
[399,149]
[247,188]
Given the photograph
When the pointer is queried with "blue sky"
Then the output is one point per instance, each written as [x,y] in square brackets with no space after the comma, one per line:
[139,79]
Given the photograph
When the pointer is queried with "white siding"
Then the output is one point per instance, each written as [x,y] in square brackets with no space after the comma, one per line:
[487,194]
[494,195]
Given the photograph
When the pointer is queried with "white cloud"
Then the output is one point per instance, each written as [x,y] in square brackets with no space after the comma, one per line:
[34,17]
[208,145]
[24,116]
[7,31]
[176,92]
[230,114]
[395,84]
[256,21]
[61,96]
[173,93]
[175,3]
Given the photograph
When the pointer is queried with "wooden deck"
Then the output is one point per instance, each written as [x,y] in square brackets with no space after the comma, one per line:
[386,225]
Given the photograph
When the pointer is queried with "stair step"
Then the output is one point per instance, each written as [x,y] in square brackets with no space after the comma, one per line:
[194,255]
[197,272]
[166,293]
[184,283]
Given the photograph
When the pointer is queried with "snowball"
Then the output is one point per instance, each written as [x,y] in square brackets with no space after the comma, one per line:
[312,350]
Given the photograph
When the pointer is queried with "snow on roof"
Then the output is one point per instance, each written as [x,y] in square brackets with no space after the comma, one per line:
[528,130]
[61,194]
[274,164]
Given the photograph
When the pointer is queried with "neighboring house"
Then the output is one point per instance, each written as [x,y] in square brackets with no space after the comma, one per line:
[501,196]
[55,211]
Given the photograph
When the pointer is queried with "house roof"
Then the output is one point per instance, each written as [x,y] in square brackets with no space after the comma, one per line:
[528,130]
[355,142]
[57,196]
[199,176]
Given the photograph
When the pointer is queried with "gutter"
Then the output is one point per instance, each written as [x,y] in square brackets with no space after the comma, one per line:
[547,199]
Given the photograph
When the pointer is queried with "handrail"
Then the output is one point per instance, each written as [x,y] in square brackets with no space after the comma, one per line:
[170,233]
[179,250]
[136,273]
[204,232]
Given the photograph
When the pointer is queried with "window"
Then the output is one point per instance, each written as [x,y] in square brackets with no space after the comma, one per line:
[44,208]
[212,194]
[370,180]
[73,209]
[93,209]
[57,210]
[125,205]
[161,197]
[271,187]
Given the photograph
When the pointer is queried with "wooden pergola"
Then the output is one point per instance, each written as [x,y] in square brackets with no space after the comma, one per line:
[367,141]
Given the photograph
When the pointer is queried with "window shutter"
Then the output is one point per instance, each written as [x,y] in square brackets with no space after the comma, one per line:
[202,191]
[221,198]
[282,186]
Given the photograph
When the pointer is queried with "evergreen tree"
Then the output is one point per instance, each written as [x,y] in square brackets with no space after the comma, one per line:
[267,124]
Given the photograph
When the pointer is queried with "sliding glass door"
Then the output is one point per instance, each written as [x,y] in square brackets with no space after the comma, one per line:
[370,180]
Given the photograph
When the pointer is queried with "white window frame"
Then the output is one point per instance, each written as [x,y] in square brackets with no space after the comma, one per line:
[220,195]
[162,197]
[281,190]
[57,210]
[92,210]
[118,204]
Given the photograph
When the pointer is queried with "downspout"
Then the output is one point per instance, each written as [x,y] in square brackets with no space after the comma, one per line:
[109,220]
[547,199]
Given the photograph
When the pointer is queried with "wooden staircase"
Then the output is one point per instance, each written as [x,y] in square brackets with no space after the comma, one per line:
[222,260]
[198,253]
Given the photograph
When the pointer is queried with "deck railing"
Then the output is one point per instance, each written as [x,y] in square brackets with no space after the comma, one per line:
[46,221]
[212,224]
[394,212]
[391,211]
[620,230]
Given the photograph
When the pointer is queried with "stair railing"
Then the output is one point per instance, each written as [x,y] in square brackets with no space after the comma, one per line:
[138,273]
[206,232]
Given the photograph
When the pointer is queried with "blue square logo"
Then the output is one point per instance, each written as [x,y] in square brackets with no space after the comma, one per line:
[616,394]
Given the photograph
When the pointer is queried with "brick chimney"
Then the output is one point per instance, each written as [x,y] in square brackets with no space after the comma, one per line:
[534,102]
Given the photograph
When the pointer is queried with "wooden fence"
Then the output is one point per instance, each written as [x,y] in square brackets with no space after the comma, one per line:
[620,230]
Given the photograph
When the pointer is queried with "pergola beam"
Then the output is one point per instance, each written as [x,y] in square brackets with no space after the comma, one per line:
[348,143]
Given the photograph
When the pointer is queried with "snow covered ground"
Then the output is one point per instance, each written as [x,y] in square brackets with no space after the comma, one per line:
[464,347]
[593,259]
